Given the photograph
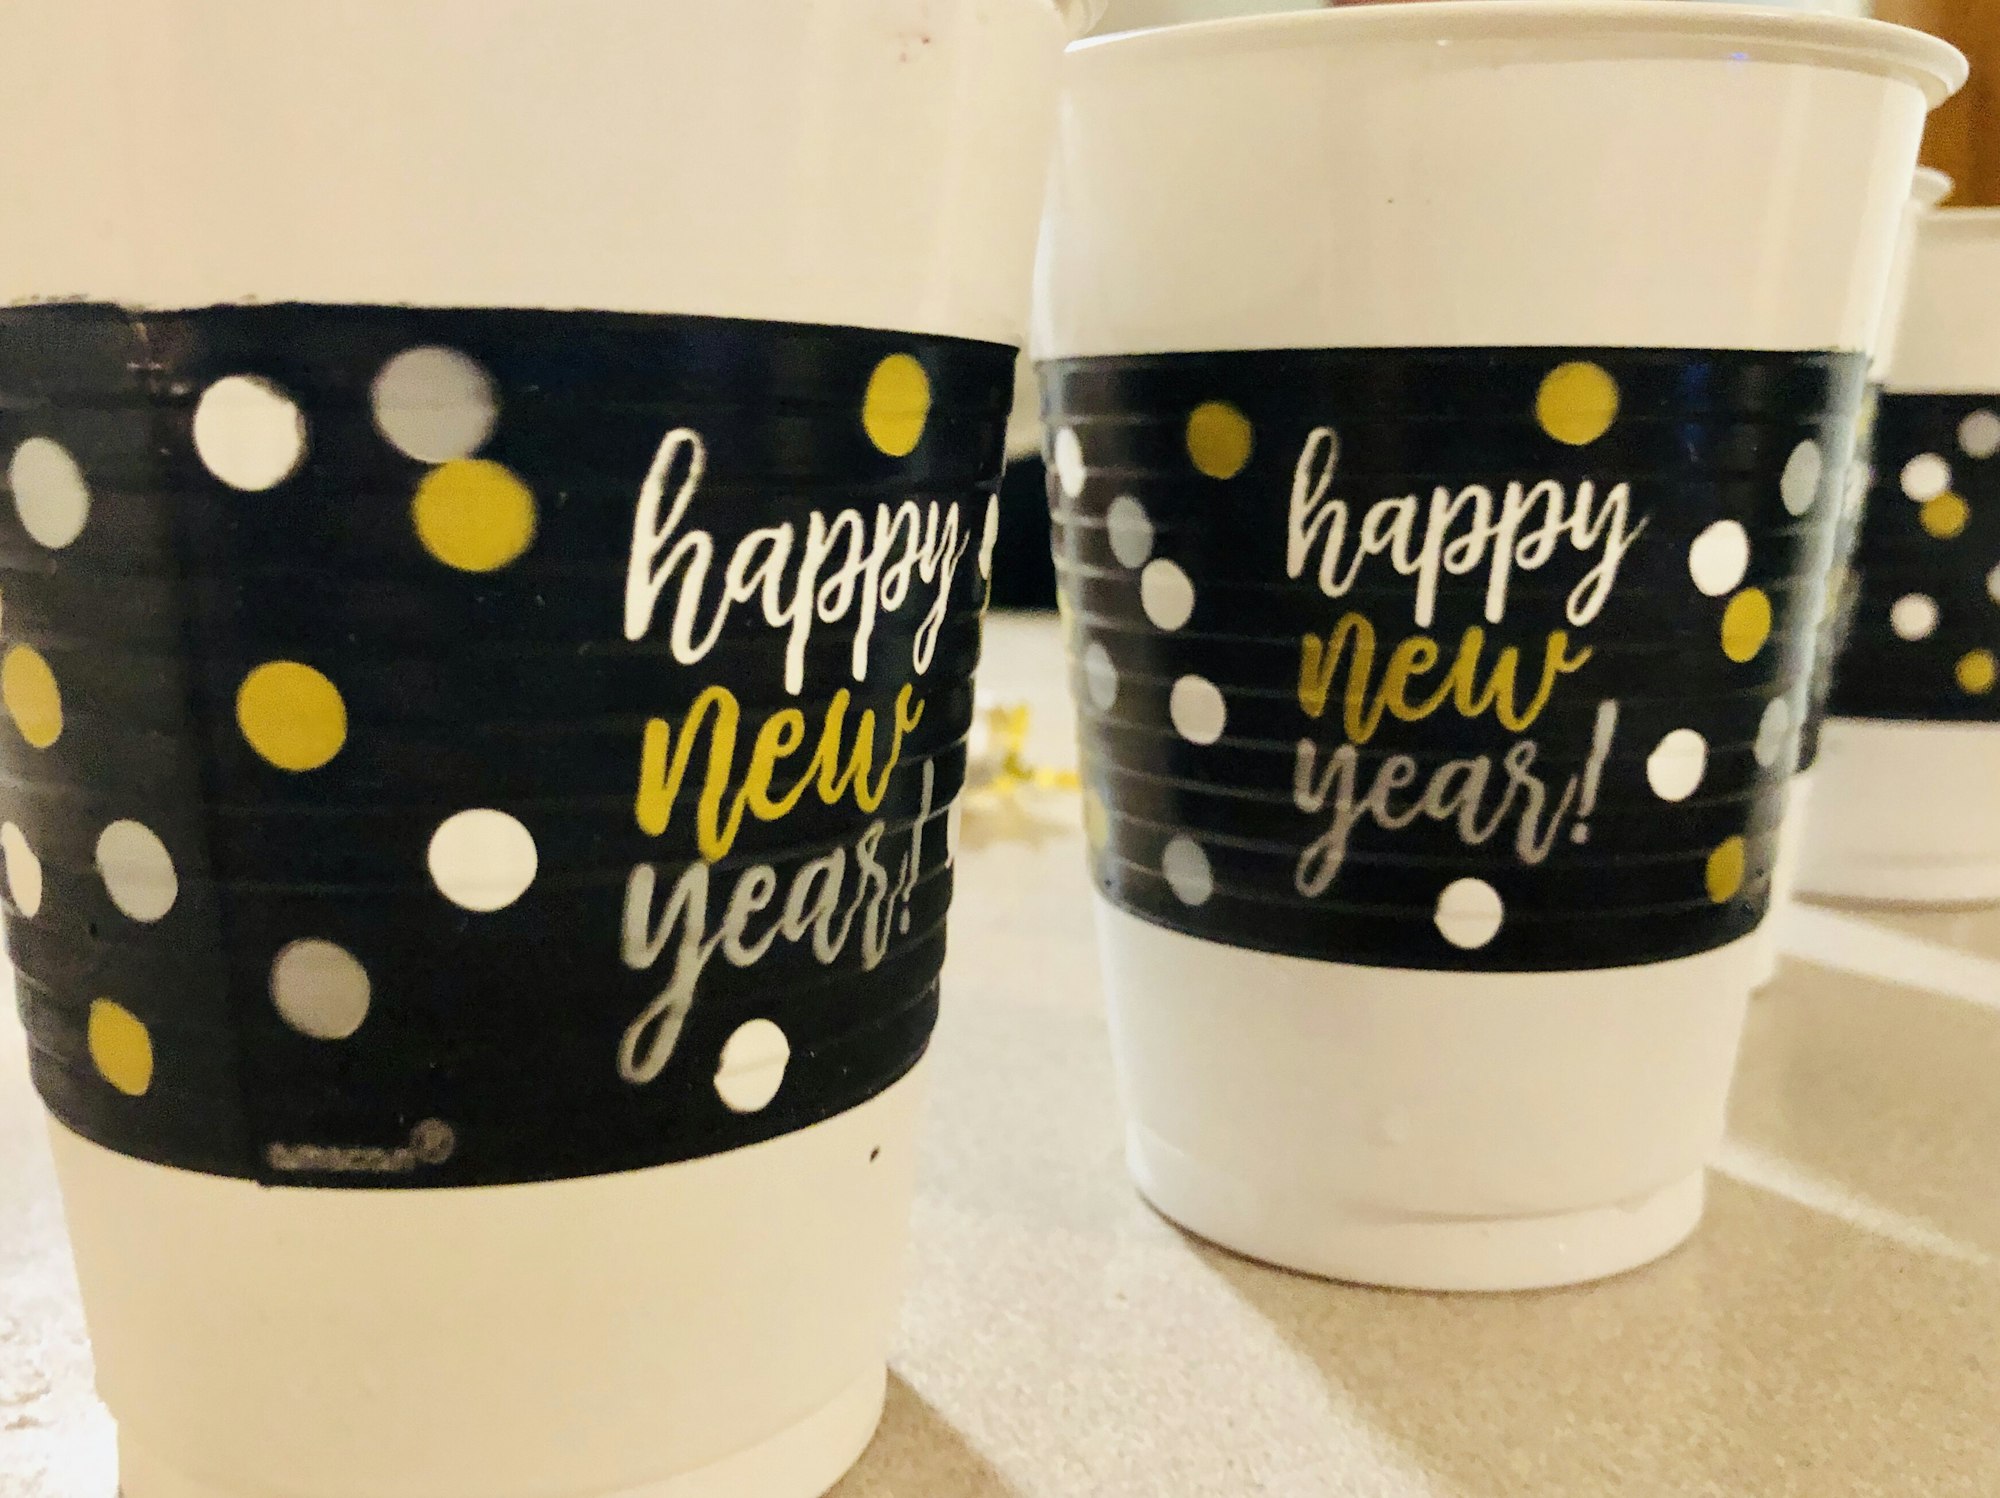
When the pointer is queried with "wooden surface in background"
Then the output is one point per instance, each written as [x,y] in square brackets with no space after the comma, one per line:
[1964,135]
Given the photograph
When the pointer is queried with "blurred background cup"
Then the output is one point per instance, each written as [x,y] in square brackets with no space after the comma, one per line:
[1907,805]
[1393,250]
[223,215]
[1837,620]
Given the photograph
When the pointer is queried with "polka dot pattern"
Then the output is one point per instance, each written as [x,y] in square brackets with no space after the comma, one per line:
[1979,434]
[249,433]
[320,989]
[1725,871]
[1800,485]
[1746,625]
[1470,914]
[1925,477]
[121,1048]
[34,701]
[1068,463]
[1219,439]
[753,1067]
[1774,733]
[483,860]
[292,715]
[1167,595]
[434,404]
[1129,532]
[1976,672]
[474,516]
[897,405]
[1198,711]
[1577,403]
[138,871]
[1915,617]
[1677,765]
[1100,677]
[24,870]
[1719,558]
[50,494]
[1187,871]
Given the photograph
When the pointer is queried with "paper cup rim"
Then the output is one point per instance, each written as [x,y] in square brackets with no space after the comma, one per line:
[1676,26]
[1933,187]
[1979,222]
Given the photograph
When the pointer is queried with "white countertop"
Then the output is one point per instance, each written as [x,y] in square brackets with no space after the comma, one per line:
[1833,1329]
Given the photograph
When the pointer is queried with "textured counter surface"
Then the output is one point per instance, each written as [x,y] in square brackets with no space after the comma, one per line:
[1833,1329]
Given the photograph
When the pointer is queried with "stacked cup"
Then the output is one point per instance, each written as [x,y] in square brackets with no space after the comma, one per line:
[1842,593]
[496,513]
[1449,407]
[1907,808]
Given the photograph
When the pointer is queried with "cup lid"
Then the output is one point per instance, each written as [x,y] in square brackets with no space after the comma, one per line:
[1679,28]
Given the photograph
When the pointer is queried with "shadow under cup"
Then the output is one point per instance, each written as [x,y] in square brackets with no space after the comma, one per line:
[1441,614]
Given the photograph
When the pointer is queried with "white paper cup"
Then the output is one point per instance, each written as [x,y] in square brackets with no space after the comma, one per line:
[1443,177]
[710,1329]
[1932,187]
[1909,808]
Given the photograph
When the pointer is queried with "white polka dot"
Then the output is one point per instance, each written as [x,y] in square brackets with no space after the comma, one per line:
[753,1067]
[1130,531]
[1100,676]
[990,537]
[482,860]
[435,404]
[1993,585]
[1470,913]
[1167,595]
[1198,711]
[50,495]
[1979,434]
[320,990]
[1719,558]
[249,433]
[1069,463]
[24,870]
[1772,732]
[137,870]
[1800,485]
[1677,764]
[1925,477]
[1914,617]
[1188,873]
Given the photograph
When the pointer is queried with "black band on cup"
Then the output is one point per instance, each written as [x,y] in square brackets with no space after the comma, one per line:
[1925,642]
[1479,659]
[451,748]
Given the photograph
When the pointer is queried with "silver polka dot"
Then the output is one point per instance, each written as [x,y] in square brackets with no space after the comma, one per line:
[1979,434]
[1800,485]
[1199,714]
[1187,871]
[137,870]
[753,1067]
[1129,530]
[1914,617]
[1100,676]
[1470,913]
[435,404]
[320,989]
[50,494]
[248,433]
[1167,595]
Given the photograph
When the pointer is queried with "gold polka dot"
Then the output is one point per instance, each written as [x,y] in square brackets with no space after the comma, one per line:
[29,689]
[1746,625]
[291,715]
[1096,821]
[121,1048]
[897,405]
[1725,870]
[474,515]
[1219,439]
[1577,403]
[1977,671]
[1945,516]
